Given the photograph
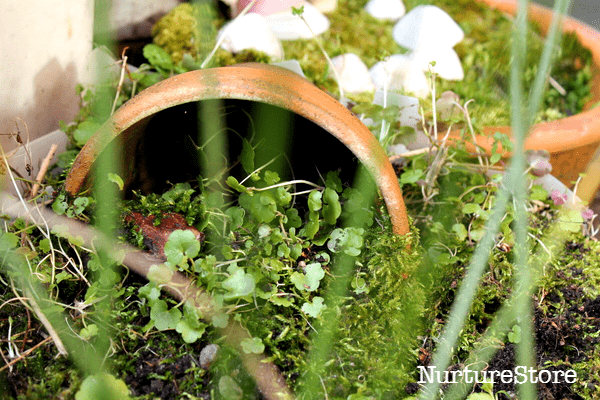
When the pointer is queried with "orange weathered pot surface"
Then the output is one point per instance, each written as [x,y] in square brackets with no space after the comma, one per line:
[255,82]
[571,141]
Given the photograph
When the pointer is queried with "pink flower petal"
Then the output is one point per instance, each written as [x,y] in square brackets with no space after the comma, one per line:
[587,214]
[558,198]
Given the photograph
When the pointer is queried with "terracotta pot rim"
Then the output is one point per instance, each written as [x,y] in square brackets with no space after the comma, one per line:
[254,82]
[574,131]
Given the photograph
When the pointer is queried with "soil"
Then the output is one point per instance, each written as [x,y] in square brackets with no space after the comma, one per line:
[150,369]
[566,334]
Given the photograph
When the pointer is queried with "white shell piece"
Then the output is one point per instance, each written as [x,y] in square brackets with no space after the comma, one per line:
[291,65]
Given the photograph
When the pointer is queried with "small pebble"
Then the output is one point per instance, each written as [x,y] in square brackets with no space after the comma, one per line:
[208,355]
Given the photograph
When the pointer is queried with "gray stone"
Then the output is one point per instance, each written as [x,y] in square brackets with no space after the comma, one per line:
[208,355]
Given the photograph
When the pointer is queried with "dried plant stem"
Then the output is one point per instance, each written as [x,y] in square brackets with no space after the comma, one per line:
[43,169]
[38,312]
[333,68]
[121,79]
[25,354]
[411,153]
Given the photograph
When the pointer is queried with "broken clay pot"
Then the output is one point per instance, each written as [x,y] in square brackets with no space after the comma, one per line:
[254,82]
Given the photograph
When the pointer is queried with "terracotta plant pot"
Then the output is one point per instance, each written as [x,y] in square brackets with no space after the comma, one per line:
[571,141]
[255,82]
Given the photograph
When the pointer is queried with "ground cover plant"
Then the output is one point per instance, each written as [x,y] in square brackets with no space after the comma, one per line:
[281,262]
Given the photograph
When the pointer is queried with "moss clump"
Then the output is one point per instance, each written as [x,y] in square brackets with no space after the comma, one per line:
[224,58]
[374,350]
[187,29]
[285,334]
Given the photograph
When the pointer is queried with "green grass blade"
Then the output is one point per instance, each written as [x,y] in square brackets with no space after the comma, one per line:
[466,293]
[552,40]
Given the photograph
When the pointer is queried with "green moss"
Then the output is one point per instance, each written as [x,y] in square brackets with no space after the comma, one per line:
[570,293]
[224,58]
[285,334]
[374,350]
[188,28]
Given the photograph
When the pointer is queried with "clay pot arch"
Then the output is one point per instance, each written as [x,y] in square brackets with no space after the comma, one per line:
[255,82]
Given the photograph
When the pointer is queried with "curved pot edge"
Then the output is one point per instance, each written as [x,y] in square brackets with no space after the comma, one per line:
[571,134]
[264,83]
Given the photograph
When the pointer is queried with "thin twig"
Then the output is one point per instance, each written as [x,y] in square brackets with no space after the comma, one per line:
[43,169]
[42,317]
[333,68]
[411,153]
[25,354]
[465,111]
[121,79]
[557,86]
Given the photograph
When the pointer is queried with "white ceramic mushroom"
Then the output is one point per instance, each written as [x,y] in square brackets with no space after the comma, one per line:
[287,26]
[251,31]
[400,72]
[427,25]
[386,9]
[354,74]
[325,6]
[268,7]
[447,64]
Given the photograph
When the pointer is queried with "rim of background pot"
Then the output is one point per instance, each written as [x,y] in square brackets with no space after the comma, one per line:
[255,82]
[571,141]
